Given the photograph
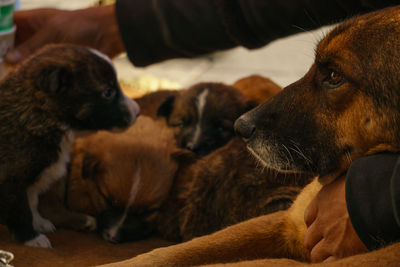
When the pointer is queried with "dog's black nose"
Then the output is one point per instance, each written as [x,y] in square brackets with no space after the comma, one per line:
[244,128]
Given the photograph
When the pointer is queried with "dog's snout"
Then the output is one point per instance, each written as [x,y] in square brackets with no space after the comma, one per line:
[244,128]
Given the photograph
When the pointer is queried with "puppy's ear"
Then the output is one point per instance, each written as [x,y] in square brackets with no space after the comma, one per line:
[54,79]
[165,108]
[90,166]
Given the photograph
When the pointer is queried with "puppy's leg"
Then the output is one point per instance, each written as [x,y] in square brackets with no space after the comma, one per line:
[53,207]
[18,217]
[40,224]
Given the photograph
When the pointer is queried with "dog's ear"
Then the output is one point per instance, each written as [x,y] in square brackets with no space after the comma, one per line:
[165,109]
[54,79]
[90,166]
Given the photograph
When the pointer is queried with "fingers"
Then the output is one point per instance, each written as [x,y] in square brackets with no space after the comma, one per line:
[312,237]
[330,258]
[311,212]
[320,252]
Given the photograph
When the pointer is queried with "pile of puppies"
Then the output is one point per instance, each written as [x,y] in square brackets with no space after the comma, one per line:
[178,171]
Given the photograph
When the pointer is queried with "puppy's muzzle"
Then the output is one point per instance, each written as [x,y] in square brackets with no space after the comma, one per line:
[244,128]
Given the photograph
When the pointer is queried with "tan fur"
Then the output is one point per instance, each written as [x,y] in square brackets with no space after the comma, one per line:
[142,152]
[257,88]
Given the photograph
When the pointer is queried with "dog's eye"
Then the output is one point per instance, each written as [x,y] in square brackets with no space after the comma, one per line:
[333,80]
[108,93]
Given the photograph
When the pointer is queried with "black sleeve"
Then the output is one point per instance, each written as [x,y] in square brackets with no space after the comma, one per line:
[373,199]
[155,30]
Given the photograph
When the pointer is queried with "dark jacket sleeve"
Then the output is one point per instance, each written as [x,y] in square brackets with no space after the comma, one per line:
[155,30]
[373,199]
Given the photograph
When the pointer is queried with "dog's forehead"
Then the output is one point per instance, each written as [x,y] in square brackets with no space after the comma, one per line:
[365,38]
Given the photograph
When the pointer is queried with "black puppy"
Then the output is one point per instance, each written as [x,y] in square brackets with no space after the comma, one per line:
[203,115]
[58,91]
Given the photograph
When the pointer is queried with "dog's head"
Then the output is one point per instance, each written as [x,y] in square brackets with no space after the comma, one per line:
[346,106]
[203,116]
[79,87]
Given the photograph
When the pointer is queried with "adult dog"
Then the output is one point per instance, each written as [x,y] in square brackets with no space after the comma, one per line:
[345,107]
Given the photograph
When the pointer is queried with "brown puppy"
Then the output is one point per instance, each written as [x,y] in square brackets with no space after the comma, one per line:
[127,172]
[257,88]
[345,107]
[59,91]
[220,189]
[149,103]
[203,115]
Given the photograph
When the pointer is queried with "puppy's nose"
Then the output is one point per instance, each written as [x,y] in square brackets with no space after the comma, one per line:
[244,128]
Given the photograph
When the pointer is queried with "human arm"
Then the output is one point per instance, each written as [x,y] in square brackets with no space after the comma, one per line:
[153,31]
[93,27]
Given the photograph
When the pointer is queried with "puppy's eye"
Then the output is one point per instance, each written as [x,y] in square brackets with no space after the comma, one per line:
[333,80]
[179,124]
[224,126]
[221,128]
[108,93]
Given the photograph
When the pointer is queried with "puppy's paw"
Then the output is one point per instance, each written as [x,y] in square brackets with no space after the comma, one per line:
[43,225]
[41,241]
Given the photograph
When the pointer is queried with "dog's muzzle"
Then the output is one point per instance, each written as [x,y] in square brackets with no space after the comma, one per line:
[244,128]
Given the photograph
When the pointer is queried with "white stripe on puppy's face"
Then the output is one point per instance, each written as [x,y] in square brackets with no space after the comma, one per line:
[201,102]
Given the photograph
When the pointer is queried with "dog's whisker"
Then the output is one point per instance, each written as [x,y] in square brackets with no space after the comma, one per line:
[298,151]
[290,162]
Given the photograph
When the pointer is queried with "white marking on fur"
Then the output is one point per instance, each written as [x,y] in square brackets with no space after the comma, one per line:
[113,231]
[102,55]
[46,179]
[91,223]
[41,241]
[201,102]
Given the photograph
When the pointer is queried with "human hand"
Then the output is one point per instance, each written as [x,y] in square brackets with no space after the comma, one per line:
[93,27]
[330,234]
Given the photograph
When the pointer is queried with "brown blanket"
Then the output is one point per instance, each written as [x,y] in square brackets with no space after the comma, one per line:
[74,249]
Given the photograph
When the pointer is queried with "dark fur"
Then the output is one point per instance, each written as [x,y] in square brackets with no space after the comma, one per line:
[61,88]
[221,189]
[224,104]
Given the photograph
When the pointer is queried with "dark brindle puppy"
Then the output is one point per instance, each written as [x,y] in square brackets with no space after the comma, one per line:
[345,107]
[203,115]
[60,90]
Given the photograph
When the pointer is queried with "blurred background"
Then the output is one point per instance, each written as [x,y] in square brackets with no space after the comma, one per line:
[284,61]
